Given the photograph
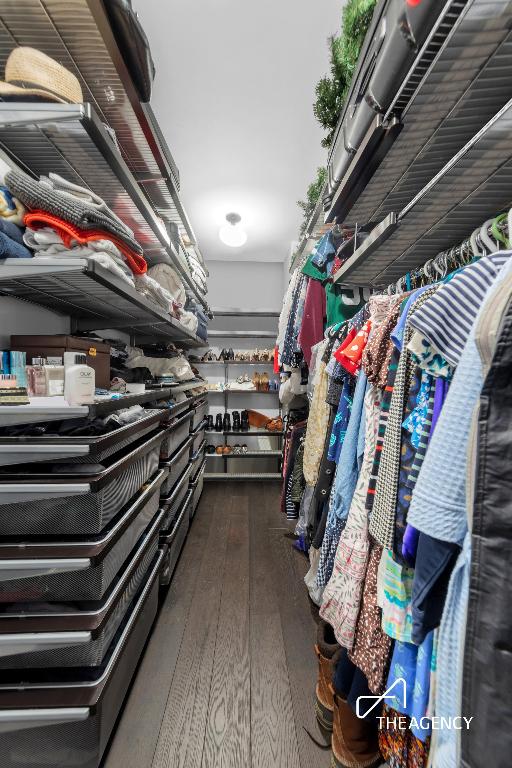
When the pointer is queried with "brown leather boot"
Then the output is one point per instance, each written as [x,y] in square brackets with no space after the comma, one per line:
[326,649]
[354,740]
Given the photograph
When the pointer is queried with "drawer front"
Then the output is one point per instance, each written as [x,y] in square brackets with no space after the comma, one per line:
[179,534]
[179,432]
[173,507]
[197,441]
[76,735]
[73,508]
[197,489]
[73,579]
[176,466]
[200,412]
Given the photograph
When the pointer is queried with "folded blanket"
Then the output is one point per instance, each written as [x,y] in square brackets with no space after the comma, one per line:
[169,279]
[81,193]
[10,249]
[39,196]
[70,235]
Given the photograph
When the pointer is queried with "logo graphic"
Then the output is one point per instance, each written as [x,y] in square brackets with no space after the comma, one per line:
[366,704]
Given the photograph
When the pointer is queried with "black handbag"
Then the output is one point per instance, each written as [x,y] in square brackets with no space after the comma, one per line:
[133,45]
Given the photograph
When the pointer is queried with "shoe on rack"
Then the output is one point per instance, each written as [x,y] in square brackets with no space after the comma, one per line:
[226,422]
[218,423]
[256,380]
[244,425]
[227,450]
[264,382]
[257,419]
[244,448]
[231,354]
[274,425]
[219,449]
[210,449]
[236,421]
[209,423]
[237,449]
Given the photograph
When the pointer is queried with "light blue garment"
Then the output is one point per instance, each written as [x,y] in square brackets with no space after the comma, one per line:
[438,508]
[345,479]
[413,664]
[397,334]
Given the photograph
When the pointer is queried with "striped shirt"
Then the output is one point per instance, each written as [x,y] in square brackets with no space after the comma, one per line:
[446,319]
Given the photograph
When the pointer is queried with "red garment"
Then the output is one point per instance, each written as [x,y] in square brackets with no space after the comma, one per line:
[68,232]
[349,353]
[313,320]
[276,359]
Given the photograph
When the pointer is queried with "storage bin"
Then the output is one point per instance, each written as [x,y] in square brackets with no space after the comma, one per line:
[196,460]
[197,489]
[178,432]
[199,413]
[78,635]
[176,465]
[39,503]
[73,571]
[17,450]
[176,538]
[172,503]
[53,720]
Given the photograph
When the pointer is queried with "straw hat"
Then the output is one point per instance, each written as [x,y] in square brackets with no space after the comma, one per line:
[29,72]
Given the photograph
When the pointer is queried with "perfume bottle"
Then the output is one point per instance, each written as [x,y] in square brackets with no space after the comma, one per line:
[54,375]
[36,377]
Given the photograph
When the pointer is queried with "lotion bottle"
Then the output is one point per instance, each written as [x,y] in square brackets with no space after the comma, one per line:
[79,383]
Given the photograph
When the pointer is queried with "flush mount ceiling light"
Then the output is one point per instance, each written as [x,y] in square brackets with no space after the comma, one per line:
[232,233]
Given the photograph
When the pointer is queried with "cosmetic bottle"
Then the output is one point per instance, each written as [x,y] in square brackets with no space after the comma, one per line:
[36,378]
[54,375]
[79,385]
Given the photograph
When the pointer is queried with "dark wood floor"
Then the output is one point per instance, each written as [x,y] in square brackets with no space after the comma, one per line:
[228,677]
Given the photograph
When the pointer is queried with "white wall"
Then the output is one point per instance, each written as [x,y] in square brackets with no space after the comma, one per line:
[247,285]
[21,317]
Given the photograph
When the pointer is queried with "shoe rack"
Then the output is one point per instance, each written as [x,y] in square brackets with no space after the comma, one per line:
[225,467]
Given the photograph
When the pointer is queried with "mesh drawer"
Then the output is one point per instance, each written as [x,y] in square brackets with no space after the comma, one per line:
[178,432]
[196,461]
[197,489]
[176,466]
[92,653]
[80,450]
[74,735]
[55,579]
[175,540]
[172,503]
[198,440]
[76,505]
[200,411]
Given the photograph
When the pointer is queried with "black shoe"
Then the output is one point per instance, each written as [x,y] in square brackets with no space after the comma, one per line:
[210,449]
[227,422]
[218,423]
[209,423]
[223,355]
[245,421]
[231,354]
[236,421]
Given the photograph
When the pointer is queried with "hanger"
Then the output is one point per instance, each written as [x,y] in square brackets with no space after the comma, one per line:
[497,232]
[485,239]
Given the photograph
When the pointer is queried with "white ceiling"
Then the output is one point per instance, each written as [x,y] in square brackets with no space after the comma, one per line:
[233,94]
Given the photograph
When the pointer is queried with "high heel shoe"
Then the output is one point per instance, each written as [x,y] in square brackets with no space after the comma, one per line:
[218,423]
[256,380]
[264,382]
[231,354]
[226,422]
[209,423]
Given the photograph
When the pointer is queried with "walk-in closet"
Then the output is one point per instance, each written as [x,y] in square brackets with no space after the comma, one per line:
[255,384]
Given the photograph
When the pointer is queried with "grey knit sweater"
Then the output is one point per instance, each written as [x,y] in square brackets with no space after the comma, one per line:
[37,195]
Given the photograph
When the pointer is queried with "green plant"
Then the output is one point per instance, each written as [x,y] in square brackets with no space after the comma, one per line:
[312,197]
[331,91]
